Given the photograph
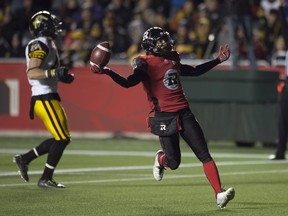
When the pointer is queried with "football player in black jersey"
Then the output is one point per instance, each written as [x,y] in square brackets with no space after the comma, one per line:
[159,71]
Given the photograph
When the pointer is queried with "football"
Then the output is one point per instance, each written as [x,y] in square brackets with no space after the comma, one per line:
[100,55]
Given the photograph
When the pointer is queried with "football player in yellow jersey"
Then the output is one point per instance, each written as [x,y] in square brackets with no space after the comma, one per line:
[44,72]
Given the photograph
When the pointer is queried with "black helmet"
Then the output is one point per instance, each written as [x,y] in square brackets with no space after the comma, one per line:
[157,41]
[43,23]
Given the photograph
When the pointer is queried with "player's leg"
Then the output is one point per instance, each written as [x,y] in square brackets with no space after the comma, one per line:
[23,160]
[282,126]
[172,153]
[53,116]
[169,156]
[193,135]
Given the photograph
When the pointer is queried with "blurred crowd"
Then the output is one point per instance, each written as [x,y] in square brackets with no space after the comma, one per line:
[199,27]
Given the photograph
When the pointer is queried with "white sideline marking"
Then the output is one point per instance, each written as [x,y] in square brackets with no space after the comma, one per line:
[151,178]
[146,154]
[178,176]
[119,168]
[140,153]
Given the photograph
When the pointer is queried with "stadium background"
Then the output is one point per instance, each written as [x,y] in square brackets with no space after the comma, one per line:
[94,104]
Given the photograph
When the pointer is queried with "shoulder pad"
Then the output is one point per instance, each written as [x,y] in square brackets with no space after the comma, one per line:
[38,49]
[139,63]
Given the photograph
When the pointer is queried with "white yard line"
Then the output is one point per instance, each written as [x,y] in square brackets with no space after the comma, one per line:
[120,168]
[139,153]
[151,178]
[146,154]
[180,176]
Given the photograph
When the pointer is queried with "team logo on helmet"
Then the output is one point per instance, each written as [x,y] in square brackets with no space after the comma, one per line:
[38,20]
[43,23]
[157,41]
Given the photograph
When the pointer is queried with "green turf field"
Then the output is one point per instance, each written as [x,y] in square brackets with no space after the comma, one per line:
[114,177]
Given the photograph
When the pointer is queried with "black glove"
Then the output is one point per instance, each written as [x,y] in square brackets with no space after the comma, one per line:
[69,78]
[62,74]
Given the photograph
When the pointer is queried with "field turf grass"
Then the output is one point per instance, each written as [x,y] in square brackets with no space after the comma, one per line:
[114,177]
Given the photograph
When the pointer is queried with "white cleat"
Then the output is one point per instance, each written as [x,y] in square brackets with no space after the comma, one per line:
[275,157]
[158,170]
[224,197]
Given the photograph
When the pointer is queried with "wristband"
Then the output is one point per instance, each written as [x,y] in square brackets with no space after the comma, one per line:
[50,73]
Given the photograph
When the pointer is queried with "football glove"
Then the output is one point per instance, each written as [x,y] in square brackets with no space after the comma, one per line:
[69,78]
[62,74]
[223,54]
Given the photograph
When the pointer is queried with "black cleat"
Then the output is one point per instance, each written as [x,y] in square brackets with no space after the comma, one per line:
[45,183]
[23,168]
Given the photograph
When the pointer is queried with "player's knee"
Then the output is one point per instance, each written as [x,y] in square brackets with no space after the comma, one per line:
[174,166]
[173,163]
[65,142]
[204,157]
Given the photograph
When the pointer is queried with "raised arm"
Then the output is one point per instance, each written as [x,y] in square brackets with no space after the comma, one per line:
[223,55]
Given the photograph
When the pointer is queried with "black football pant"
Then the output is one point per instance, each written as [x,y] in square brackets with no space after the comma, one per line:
[192,134]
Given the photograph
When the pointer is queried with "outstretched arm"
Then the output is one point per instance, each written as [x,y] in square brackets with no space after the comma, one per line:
[223,55]
[139,67]
[130,81]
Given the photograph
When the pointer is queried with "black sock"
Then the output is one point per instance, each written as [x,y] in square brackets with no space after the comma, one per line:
[45,146]
[41,149]
[47,173]
[54,156]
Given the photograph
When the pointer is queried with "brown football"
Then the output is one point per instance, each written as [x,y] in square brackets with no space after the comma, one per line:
[100,55]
